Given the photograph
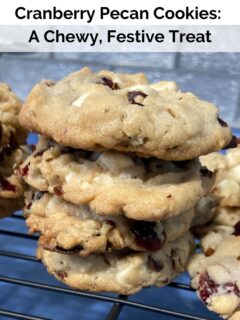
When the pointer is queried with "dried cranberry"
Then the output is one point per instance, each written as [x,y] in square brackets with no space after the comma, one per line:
[6,185]
[206,173]
[154,265]
[237,229]
[146,236]
[36,195]
[25,170]
[208,287]
[61,274]
[28,207]
[58,190]
[108,82]
[233,143]
[133,94]
[222,123]
[209,252]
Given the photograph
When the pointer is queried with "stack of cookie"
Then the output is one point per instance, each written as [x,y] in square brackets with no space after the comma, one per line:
[115,177]
[216,270]
[12,152]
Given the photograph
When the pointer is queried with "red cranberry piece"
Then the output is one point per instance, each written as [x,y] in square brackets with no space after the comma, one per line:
[133,94]
[108,82]
[58,190]
[237,229]
[6,185]
[222,123]
[28,207]
[61,274]
[209,252]
[206,173]
[25,170]
[208,287]
[146,236]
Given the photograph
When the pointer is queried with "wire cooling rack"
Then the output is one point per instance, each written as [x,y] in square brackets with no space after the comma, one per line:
[117,304]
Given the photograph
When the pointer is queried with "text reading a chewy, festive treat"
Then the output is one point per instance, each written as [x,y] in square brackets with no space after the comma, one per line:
[113,36]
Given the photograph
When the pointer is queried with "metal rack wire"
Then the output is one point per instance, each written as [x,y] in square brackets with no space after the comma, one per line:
[118,303]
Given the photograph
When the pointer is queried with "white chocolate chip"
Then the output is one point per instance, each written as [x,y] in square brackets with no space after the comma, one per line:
[235,173]
[224,304]
[79,101]
[165,85]
[227,187]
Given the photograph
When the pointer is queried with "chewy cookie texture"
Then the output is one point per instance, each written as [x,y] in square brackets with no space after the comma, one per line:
[112,183]
[107,110]
[115,179]
[12,152]
[121,272]
[69,228]
[215,271]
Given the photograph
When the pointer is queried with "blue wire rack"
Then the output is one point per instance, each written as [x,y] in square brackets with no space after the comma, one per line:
[118,303]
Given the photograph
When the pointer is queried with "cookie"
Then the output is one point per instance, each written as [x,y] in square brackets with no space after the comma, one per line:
[121,272]
[216,277]
[225,222]
[72,229]
[11,133]
[235,316]
[227,216]
[11,184]
[106,111]
[113,183]
[214,161]
[214,236]
[227,169]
